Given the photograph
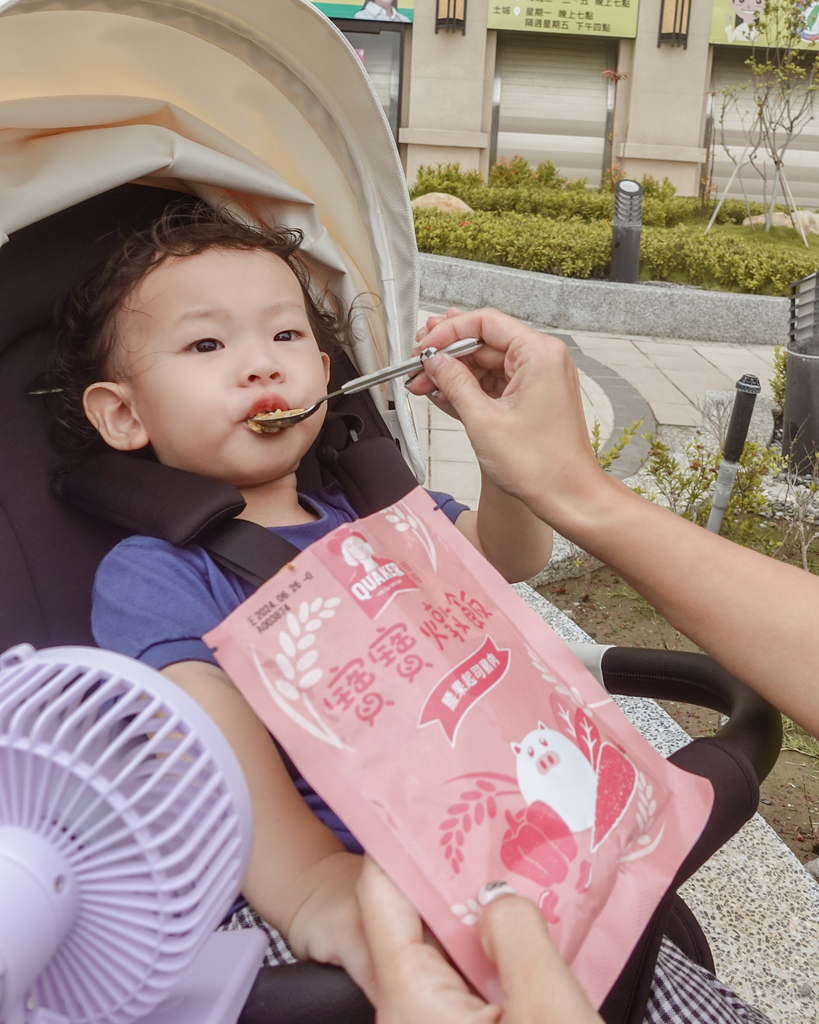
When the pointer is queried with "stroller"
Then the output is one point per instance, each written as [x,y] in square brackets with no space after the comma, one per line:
[111,110]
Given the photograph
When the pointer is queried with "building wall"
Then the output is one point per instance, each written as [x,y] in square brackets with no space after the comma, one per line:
[450,92]
[451,82]
[666,100]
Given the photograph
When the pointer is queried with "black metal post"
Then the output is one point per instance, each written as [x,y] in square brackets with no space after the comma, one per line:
[800,421]
[748,387]
[626,227]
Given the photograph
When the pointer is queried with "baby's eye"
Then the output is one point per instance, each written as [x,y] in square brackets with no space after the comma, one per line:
[291,335]
[206,345]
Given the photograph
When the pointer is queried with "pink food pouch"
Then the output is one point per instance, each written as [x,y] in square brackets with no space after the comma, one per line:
[460,739]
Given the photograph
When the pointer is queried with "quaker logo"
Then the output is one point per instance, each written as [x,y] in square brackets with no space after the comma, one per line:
[371,579]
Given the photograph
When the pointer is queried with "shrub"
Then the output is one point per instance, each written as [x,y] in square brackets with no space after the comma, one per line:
[466,185]
[508,172]
[718,261]
[685,484]
[779,379]
[575,248]
[548,176]
[523,217]
[565,248]
[653,189]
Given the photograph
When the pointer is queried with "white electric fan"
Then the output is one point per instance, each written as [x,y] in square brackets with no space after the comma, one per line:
[125,831]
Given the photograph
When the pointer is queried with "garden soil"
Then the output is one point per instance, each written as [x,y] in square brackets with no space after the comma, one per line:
[613,613]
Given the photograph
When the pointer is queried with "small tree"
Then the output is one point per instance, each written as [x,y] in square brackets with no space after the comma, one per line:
[784,70]
[784,81]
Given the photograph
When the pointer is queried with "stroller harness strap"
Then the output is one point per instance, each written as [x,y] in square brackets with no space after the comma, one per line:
[182,508]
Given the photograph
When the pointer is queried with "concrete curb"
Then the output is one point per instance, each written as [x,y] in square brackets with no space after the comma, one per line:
[571,304]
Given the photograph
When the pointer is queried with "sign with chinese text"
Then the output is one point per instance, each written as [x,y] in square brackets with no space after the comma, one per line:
[460,740]
[394,12]
[614,18]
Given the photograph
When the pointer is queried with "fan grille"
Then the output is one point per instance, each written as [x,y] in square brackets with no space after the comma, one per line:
[112,765]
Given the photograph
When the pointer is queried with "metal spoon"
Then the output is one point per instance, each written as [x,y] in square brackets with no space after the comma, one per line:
[272,422]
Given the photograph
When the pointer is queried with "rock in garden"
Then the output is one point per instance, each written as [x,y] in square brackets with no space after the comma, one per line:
[442,201]
[812,868]
[810,221]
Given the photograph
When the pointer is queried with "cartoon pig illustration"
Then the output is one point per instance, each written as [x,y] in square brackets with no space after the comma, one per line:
[552,770]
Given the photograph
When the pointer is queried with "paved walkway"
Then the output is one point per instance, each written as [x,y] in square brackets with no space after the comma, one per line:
[757,905]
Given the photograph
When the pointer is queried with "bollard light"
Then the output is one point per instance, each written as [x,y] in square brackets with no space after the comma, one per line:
[800,421]
[626,227]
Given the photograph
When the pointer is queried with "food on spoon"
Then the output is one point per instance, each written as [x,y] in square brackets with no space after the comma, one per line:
[269,422]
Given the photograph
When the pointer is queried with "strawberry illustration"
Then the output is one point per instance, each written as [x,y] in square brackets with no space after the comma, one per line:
[616,782]
[538,844]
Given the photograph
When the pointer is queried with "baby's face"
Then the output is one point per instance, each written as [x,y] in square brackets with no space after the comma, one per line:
[210,340]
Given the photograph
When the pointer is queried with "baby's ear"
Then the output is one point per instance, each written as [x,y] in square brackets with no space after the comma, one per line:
[109,408]
[326,360]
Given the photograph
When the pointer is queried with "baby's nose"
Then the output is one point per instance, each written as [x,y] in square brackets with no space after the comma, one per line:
[261,365]
[254,378]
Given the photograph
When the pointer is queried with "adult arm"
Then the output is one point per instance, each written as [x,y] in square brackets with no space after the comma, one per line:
[754,615]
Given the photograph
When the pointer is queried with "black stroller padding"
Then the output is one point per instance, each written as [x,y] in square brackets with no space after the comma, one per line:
[306,993]
[143,496]
[753,732]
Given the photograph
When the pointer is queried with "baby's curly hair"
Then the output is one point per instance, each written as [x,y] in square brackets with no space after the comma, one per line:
[87,327]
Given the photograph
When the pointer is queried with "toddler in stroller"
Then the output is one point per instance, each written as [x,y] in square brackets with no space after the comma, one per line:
[192,327]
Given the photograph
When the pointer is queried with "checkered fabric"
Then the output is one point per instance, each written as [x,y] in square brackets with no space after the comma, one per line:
[682,992]
[278,952]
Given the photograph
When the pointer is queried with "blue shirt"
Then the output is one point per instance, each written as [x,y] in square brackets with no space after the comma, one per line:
[154,601]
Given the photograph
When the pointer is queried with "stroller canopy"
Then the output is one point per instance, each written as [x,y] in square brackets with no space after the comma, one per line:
[260,104]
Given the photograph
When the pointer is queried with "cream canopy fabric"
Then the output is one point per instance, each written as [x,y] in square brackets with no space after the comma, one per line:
[258,102]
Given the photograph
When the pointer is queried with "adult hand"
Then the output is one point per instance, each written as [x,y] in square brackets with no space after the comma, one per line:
[519,399]
[415,983]
[537,985]
[491,379]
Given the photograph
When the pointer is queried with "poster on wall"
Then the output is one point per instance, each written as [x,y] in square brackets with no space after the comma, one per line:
[394,12]
[738,22]
[613,18]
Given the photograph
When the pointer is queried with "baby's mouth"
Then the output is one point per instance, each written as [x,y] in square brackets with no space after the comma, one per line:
[265,404]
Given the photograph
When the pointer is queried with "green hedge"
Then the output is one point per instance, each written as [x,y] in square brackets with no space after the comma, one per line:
[515,187]
[576,248]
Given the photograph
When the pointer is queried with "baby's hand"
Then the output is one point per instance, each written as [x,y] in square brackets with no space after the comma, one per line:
[328,926]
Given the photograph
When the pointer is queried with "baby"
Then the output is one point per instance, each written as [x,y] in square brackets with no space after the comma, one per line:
[191,328]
